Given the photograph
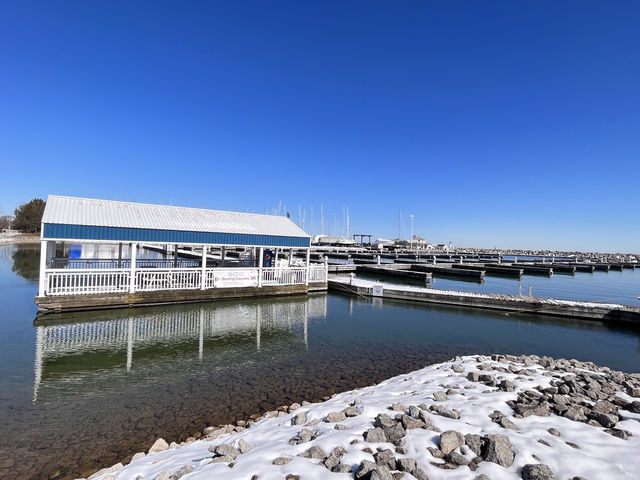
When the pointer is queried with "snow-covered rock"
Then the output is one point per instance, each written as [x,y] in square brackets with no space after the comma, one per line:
[503,417]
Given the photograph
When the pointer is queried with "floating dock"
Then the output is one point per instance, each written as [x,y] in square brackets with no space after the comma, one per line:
[497,270]
[607,312]
[393,272]
[449,271]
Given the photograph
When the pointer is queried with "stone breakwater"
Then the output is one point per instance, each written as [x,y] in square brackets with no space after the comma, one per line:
[498,417]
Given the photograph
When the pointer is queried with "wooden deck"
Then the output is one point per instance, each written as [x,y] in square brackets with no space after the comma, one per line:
[119,300]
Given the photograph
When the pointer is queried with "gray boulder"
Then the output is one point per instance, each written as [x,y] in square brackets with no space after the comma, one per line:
[299,419]
[342,468]
[475,443]
[224,450]
[498,450]
[182,472]
[313,452]
[244,446]
[406,464]
[375,435]
[440,397]
[386,458]
[538,471]
[456,459]
[334,417]
[450,440]
[365,468]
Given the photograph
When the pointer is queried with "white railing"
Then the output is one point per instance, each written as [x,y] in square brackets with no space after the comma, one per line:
[318,273]
[283,276]
[154,279]
[83,282]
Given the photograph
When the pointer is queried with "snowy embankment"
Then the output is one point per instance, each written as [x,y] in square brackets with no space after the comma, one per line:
[475,417]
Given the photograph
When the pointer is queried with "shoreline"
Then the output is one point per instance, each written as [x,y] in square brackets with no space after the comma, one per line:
[499,415]
[26,238]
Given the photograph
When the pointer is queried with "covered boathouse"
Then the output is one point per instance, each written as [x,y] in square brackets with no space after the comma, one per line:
[106,254]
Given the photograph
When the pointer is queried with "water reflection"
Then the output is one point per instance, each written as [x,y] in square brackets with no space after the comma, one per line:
[25,261]
[83,356]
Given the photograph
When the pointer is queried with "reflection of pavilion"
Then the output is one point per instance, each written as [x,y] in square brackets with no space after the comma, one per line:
[162,328]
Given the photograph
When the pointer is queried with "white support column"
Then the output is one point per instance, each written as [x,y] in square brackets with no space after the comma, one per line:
[306,279]
[276,259]
[51,252]
[260,260]
[43,266]
[132,278]
[203,275]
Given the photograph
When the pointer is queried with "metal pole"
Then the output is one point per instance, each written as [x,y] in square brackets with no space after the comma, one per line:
[411,217]
[260,266]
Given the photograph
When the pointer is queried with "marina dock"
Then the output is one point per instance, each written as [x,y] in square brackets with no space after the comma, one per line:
[199,270]
[513,304]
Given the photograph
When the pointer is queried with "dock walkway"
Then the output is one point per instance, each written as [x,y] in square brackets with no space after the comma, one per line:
[511,303]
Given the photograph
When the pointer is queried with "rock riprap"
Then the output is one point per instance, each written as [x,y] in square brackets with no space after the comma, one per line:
[475,418]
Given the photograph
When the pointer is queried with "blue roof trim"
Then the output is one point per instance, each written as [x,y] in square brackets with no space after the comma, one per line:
[120,234]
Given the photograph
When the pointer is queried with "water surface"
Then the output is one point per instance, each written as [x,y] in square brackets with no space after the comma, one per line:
[86,390]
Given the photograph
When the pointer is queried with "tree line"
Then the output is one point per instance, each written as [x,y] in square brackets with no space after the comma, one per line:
[27,218]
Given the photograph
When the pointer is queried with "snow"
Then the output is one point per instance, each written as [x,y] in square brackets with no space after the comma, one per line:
[600,455]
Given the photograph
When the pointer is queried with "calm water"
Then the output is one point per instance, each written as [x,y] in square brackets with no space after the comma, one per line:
[82,391]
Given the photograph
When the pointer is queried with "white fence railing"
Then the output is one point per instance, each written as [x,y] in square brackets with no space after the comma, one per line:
[85,281]
[284,276]
[154,279]
[318,273]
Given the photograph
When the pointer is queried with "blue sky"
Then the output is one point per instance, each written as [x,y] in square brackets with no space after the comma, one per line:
[509,124]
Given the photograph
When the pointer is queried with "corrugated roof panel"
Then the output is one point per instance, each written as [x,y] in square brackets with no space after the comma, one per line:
[109,213]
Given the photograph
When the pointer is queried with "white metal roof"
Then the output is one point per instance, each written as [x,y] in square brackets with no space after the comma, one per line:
[110,213]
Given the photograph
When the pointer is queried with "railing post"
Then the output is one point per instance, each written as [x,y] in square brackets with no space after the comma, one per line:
[260,260]
[132,278]
[306,278]
[43,266]
[204,268]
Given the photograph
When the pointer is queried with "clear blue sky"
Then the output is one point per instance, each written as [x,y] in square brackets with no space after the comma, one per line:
[509,124]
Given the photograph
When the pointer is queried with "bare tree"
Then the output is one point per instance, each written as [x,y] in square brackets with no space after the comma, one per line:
[6,222]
